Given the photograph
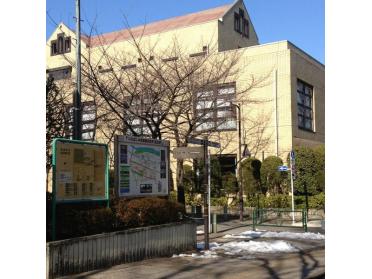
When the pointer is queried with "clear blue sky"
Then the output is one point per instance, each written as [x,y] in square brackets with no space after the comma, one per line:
[299,21]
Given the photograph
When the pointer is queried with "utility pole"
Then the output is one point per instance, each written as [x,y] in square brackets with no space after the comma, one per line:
[238,165]
[209,191]
[77,94]
[205,182]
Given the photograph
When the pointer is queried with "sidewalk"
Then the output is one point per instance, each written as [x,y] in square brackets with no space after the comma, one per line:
[307,263]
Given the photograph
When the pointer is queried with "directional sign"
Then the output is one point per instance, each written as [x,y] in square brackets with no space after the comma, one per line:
[188,152]
[283,168]
[201,142]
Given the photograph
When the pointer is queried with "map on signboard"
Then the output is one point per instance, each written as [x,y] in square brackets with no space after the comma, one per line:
[142,170]
[80,171]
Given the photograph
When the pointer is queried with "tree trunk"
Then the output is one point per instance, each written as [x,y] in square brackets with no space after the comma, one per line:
[179,180]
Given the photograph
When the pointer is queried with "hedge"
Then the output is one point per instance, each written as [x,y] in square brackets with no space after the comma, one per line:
[75,220]
[148,211]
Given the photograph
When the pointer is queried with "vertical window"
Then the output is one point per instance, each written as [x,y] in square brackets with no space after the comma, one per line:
[60,44]
[53,48]
[245,28]
[67,44]
[305,106]
[237,23]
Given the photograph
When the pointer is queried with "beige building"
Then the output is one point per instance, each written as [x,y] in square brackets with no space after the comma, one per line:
[288,83]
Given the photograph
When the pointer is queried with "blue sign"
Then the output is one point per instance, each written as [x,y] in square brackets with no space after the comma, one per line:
[282,168]
[292,155]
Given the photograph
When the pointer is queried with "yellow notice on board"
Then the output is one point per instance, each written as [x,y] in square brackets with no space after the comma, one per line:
[80,171]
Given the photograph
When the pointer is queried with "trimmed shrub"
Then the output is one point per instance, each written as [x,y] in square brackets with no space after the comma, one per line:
[310,172]
[315,202]
[251,176]
[273,181]
[148,211]
[221,201]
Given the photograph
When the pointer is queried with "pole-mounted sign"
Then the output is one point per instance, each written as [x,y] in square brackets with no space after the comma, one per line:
[188,152]
[283,168]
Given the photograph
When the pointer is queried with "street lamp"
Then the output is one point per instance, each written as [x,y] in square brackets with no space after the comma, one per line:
[240,184]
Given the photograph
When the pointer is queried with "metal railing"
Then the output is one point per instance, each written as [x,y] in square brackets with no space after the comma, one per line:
[279,217]
[88,253]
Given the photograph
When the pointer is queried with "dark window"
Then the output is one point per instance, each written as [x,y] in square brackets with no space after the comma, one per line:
[61,45]
[213,108]
[60,73]
[67,44]
[88,121]
[198,54]
[237,27]
[227,164]
[127,67]
[53,48]
[241,12]
[245,27]
[103,70]
[305,105]
[170,59]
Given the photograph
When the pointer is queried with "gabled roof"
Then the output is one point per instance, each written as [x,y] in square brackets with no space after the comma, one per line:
[158,26]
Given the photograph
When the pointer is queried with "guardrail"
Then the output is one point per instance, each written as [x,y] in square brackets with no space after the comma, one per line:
[88,253]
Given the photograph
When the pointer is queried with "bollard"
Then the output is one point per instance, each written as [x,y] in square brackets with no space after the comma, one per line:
[214,223]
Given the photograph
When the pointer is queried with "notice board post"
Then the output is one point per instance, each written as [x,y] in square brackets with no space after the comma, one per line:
[80,173]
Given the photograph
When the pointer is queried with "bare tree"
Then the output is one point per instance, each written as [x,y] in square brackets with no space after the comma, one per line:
[56,118]
[165,93]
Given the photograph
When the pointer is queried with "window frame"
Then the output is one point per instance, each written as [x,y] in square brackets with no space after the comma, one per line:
[237,23]
[210,115]
[305,108]
[59,69]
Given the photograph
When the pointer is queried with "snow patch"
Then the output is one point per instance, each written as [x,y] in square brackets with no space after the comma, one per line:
[244,247]
[289,235]
[200,245]
[203,255]
[199,232]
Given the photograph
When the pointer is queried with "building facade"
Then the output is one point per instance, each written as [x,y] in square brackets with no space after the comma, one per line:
[285,106]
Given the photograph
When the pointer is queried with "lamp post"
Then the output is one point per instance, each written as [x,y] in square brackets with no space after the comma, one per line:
[241,207]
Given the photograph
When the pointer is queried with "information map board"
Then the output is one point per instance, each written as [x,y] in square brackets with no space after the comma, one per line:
[80,170]
[141,166]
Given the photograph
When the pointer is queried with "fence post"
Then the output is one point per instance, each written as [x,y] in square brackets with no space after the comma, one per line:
[254,219]
[214,225]
[304,219]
